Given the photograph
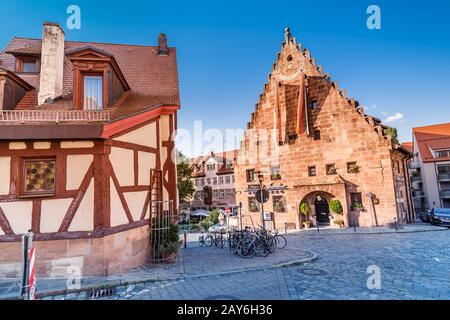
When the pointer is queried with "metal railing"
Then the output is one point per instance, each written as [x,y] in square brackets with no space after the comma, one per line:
[24,116]
[416,178]
[418,194]
[445,194]
[414,165]
[444,177]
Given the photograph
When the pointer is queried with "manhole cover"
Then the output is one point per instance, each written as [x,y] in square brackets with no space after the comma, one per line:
[222,297]
[311,271]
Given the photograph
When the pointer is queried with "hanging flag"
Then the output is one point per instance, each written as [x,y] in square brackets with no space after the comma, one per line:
[278,124]
[301,106]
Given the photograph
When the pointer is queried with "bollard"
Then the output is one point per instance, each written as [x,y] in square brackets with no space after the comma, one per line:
[185,239]
[27,245]
[285,228]
[396,226]
[354,225]
[317,225]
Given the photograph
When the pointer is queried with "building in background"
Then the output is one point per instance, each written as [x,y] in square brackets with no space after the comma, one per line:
[312,144]
[85,144]
[214,181]
[430,167]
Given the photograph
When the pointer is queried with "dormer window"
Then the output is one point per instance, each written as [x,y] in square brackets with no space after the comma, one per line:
[97,79]
[27,65]
[93,92]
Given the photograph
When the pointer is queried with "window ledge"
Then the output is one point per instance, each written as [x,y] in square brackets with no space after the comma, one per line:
[40,195]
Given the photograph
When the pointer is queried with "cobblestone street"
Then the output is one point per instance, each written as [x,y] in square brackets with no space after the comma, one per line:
[412,266]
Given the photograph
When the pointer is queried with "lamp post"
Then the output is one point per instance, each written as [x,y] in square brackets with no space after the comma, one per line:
[261,187]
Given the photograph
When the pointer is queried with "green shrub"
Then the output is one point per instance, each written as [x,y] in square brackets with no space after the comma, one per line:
[165,241]
[304,209]
[214,216]
[336,207]
[205,224]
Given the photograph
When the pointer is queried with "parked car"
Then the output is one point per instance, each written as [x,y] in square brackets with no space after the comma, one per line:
[425,216]
[217,228]
[440,216]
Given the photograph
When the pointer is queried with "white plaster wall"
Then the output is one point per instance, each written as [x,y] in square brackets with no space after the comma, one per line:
[77,166]
[41,145]
[52,214]
[145,136]
[430,184]
[146,161]
[84,217]
[118,215]
[17,146]
[136,202]
[18,215]
[5,167]
[164,127]
[122,161]
[76,144]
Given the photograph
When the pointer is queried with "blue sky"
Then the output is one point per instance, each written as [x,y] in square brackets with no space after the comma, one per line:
[226,49]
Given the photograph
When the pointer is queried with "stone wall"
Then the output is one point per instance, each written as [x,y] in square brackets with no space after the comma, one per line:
[111,254]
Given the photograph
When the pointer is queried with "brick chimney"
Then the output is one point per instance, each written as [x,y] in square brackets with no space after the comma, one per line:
[52,63]
[163,49]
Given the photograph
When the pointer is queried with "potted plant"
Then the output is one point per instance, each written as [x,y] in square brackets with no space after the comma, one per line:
[358,206]
[305,210]
[336,208]
[165,243]
[339,222]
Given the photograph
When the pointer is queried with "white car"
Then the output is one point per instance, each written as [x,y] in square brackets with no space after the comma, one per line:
[217,228]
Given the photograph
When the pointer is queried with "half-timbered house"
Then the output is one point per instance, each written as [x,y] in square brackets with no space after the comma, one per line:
[85,150]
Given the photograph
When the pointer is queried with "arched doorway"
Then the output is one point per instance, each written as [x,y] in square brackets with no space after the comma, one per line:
[322,210]
[318,202]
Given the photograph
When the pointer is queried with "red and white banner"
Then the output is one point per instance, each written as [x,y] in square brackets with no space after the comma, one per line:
[32,276]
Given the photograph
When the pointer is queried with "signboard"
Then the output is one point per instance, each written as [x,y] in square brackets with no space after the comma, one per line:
[267,216]
[227,211]
[262,196]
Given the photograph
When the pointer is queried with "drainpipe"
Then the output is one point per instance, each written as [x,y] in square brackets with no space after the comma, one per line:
[411,213]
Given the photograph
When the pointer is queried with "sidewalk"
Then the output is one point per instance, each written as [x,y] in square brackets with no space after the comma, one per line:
[193,262]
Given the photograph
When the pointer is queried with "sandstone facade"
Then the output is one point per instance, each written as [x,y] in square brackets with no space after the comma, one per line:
[314,144]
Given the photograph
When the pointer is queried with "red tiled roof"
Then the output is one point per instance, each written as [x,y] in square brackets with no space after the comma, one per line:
[153,78]
[408,146]
[430,138]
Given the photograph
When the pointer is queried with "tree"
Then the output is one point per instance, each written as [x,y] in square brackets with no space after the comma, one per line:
[186,187]
[214,216]
[393,133]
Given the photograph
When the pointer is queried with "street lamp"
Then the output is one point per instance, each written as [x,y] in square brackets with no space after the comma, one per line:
[261,187]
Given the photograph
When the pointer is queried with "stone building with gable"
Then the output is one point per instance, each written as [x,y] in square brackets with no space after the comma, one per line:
[312,143]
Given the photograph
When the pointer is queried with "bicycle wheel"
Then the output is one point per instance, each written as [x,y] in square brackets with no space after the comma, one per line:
[220,241]
[201,241]
[272,244]
[209,240]
[246,249]
[281,241]
[262,248]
